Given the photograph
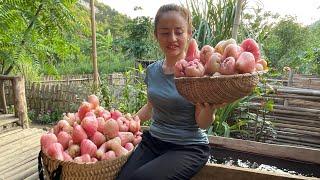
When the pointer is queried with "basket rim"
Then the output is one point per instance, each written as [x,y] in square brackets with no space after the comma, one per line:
[222,76]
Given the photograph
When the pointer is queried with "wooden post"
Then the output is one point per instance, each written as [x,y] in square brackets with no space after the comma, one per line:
[290,82]
[236,21]
[20,100]
[94,46]
[3,98]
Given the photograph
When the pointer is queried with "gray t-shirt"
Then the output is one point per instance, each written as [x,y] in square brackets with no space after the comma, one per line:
[173,117]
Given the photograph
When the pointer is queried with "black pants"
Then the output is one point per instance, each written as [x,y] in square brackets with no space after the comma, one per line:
[154,159]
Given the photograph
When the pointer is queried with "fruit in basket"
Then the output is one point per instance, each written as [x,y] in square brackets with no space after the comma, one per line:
[111,128]
[64,138]
[228,66]
[83,109]
[246,63]
[250,45]
[232,50]
[194,69]
[46,140]
[55,151]
[98,138]
[89,124]
[78,134]
[213,64]
[93,135]
[263,63]
[94,101]
[88,147]
[192,51]
[258,67]
[205,53]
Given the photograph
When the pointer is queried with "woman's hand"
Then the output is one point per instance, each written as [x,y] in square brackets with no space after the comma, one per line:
[205,114]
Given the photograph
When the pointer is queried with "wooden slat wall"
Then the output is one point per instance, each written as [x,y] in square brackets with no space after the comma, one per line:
[298,121]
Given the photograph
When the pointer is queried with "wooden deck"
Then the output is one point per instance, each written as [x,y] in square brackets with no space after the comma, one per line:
[19,150]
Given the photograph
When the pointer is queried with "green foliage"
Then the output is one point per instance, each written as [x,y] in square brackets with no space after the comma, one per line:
[131,97]
[140,42]
[49,117]
[212,20]
[36,30]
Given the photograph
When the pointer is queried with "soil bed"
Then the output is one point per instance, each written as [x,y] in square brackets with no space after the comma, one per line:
[220,155]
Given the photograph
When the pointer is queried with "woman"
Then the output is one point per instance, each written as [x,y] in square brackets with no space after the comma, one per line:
[176,146]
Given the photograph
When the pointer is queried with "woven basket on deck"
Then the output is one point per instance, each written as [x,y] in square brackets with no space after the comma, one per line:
[217,89]
[107,169]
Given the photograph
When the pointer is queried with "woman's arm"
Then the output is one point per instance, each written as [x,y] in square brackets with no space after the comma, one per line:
[205,115]
[145,112]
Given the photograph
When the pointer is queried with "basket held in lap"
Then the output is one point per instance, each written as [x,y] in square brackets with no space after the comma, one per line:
[56,169]
[217,89]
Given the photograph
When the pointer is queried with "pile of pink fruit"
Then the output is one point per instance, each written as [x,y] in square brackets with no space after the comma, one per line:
[92,134]
[226,58]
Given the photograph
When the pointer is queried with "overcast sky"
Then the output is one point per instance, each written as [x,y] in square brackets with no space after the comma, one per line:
[307,11]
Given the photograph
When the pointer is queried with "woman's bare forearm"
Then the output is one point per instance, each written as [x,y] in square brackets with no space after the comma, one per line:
[145,113]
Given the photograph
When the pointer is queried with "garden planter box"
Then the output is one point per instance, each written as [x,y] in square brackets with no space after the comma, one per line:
[299,159]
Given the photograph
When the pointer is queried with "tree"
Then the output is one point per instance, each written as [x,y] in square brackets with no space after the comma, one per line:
[36,34]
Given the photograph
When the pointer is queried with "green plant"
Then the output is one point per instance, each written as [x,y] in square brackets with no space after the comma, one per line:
[128,98]
[222,125]
[48,117]
[212,20]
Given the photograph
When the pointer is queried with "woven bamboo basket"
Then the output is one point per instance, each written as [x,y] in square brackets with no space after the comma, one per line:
[217,89]
[107,169]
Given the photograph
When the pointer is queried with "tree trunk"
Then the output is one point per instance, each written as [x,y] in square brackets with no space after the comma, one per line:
[94,46]
[236,21]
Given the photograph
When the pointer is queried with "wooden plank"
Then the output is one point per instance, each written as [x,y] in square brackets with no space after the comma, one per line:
[9,120]
[19,160]
[293,120]
[282,151]
[296,127]
[22,171]
[15,131]
[298,144]
[22,135]
[34,176]
[297,131]
[298,138]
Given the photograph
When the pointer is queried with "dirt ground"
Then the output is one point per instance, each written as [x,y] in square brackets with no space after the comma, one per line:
[45,127]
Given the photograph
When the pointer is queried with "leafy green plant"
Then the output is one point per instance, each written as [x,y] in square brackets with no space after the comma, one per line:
[129,98]
[48,117]
[212,20]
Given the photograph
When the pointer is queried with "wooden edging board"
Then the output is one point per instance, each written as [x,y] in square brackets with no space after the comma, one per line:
[273,150]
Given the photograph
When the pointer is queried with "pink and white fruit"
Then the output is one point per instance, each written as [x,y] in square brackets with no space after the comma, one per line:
[194,69]
[213,64]
[205,53]
[94,101]
[46,140]
[228,66]
[111,128]
[232,50]
[78,134]
[98,138]
[64,138]
[88,147]
[90,125]
[246,63]
[250,45]
[192,51]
